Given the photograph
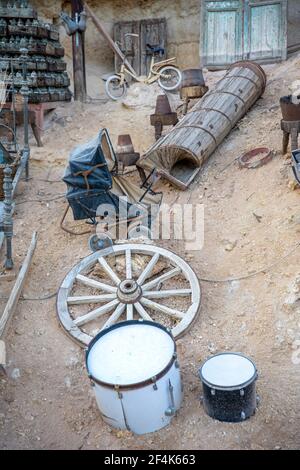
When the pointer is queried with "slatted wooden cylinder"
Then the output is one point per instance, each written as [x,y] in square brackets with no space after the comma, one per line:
[179,155]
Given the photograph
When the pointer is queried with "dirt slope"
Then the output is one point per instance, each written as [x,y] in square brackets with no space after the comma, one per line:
[46,400]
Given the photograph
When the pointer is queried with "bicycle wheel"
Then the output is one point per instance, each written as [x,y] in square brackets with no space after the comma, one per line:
[170,78]
[114,89]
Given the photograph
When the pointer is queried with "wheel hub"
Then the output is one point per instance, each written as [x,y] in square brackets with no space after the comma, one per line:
[129,291]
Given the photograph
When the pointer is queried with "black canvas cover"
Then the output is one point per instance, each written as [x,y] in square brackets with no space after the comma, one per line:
[89,180]
[86,157]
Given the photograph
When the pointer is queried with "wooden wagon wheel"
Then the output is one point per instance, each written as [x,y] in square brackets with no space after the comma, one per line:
[128,281]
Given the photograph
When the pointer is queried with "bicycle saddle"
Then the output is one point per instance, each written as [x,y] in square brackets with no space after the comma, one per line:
[156,49]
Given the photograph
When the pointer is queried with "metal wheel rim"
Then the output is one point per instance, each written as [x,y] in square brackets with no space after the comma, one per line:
[178,74]
[120,310]
[121,88]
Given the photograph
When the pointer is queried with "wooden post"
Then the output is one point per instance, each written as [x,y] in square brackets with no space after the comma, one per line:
[17,289]
[7,219]
[78,55]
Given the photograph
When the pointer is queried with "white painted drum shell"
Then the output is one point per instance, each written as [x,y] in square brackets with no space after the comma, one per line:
[144,407]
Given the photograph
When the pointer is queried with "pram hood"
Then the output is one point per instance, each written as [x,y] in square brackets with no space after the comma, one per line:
[90,164]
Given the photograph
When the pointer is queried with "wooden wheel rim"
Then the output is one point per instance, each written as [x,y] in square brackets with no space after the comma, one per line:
[177,266]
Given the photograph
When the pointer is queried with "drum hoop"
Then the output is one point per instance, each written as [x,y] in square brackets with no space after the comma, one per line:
[144,383]
[230,388]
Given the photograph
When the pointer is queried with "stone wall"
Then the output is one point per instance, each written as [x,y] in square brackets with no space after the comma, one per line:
[183,25]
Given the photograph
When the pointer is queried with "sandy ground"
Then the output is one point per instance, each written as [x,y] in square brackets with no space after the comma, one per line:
[46,399]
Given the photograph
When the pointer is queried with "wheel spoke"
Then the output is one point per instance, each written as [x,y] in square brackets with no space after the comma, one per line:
[93,283]
[109,271]
[162,308]
[90,299]
[148,269]
[115,316]
[161,278]
[96,313]
[161,294]
[140,309]
[129,312]
[128,264]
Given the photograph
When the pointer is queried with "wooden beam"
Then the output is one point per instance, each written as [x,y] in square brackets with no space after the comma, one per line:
[2,355]
[109,40]
[17,289]
[79,74]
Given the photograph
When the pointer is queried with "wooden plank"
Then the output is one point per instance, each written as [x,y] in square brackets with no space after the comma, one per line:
[17,289]
[2,354]
[1,239]
[154,32]
[128,45]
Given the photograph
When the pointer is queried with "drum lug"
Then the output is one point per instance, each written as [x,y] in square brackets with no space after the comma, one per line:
[176,361]
[120,395]
[243,415]
[92,383]
[154,383]
[212,391]
[171,410]
[242,392]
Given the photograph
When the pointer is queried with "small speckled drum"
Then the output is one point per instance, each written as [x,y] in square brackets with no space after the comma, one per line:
[229,392]
[134,369]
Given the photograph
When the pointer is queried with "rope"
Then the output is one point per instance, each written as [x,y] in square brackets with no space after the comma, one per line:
[34,299]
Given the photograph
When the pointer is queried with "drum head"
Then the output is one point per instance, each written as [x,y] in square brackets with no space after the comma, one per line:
[227,370]
[130,353]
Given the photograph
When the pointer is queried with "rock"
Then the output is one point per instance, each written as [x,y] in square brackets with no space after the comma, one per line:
[15,374]
[19,331]
[293,185]
[230,245]
[141,95]
[68,382]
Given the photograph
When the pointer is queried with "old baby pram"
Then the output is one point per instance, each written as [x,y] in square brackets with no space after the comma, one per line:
[98,194]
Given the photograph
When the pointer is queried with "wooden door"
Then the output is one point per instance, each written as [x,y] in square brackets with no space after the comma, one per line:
[153,31]
[221,32]
[128,45]
[243,29]
[266,30]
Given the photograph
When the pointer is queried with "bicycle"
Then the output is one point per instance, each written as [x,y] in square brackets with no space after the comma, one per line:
[168,76]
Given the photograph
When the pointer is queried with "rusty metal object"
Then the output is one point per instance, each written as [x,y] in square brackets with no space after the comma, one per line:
[125,151]
[246,160]
[163,115]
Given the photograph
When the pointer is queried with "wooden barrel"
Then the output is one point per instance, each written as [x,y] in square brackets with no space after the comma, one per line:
[179,155]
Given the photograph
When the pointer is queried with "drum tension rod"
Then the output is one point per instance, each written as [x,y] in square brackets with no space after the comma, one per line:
[171,410]
[154,382]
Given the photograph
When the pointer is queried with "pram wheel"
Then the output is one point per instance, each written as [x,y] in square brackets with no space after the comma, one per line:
[139,231]
[100,242]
